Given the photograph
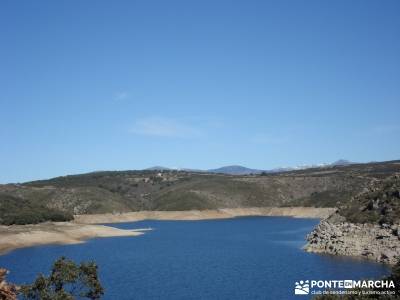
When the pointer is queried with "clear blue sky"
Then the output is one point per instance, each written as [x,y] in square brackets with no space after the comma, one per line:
[108,85]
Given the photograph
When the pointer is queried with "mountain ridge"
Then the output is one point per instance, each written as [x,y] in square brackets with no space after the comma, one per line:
[242,170]
[59,198]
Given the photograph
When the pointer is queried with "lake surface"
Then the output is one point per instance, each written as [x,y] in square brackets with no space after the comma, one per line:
[241,258]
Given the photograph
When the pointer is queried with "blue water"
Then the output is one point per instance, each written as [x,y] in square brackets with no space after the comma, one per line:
[242,258]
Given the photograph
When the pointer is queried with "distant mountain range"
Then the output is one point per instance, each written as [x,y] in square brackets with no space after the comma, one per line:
[235,170]
[241,170]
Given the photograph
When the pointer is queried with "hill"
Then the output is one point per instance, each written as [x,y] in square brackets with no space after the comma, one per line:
[235,170]
[122,191]
[241,170]
[367,225]
[379,203]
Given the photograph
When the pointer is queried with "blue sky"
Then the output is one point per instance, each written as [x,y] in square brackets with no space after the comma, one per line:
[108,85]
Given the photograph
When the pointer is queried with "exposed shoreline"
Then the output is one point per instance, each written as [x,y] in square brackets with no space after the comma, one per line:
[223,213]
[22,236]
[367,241]
[83,228]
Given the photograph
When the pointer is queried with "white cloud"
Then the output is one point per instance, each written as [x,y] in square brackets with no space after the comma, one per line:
[163,127]
[121,95]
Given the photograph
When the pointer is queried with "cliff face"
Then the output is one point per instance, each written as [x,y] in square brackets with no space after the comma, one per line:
[366,226]
[371,241]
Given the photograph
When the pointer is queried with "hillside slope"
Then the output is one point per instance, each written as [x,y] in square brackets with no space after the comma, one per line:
[368,225]
[123,191]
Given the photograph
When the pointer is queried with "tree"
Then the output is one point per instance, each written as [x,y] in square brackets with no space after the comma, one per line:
[66,281]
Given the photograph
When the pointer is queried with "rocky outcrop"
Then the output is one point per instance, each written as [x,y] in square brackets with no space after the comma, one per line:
[366,226]
[380,243]
[7,291]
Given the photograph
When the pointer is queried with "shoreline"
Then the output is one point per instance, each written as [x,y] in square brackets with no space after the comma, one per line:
[193,215]
[366,241]
[61,233]
[85,227]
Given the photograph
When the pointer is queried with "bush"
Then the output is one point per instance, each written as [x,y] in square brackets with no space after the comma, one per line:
[66,281]
[20,211]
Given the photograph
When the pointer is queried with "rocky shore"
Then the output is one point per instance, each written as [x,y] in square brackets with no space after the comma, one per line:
[380,243]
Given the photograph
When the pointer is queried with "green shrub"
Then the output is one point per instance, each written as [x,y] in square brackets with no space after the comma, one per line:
[19,211]
[66,281]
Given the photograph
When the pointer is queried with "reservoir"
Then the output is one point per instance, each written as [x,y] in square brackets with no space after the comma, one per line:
[240,258]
